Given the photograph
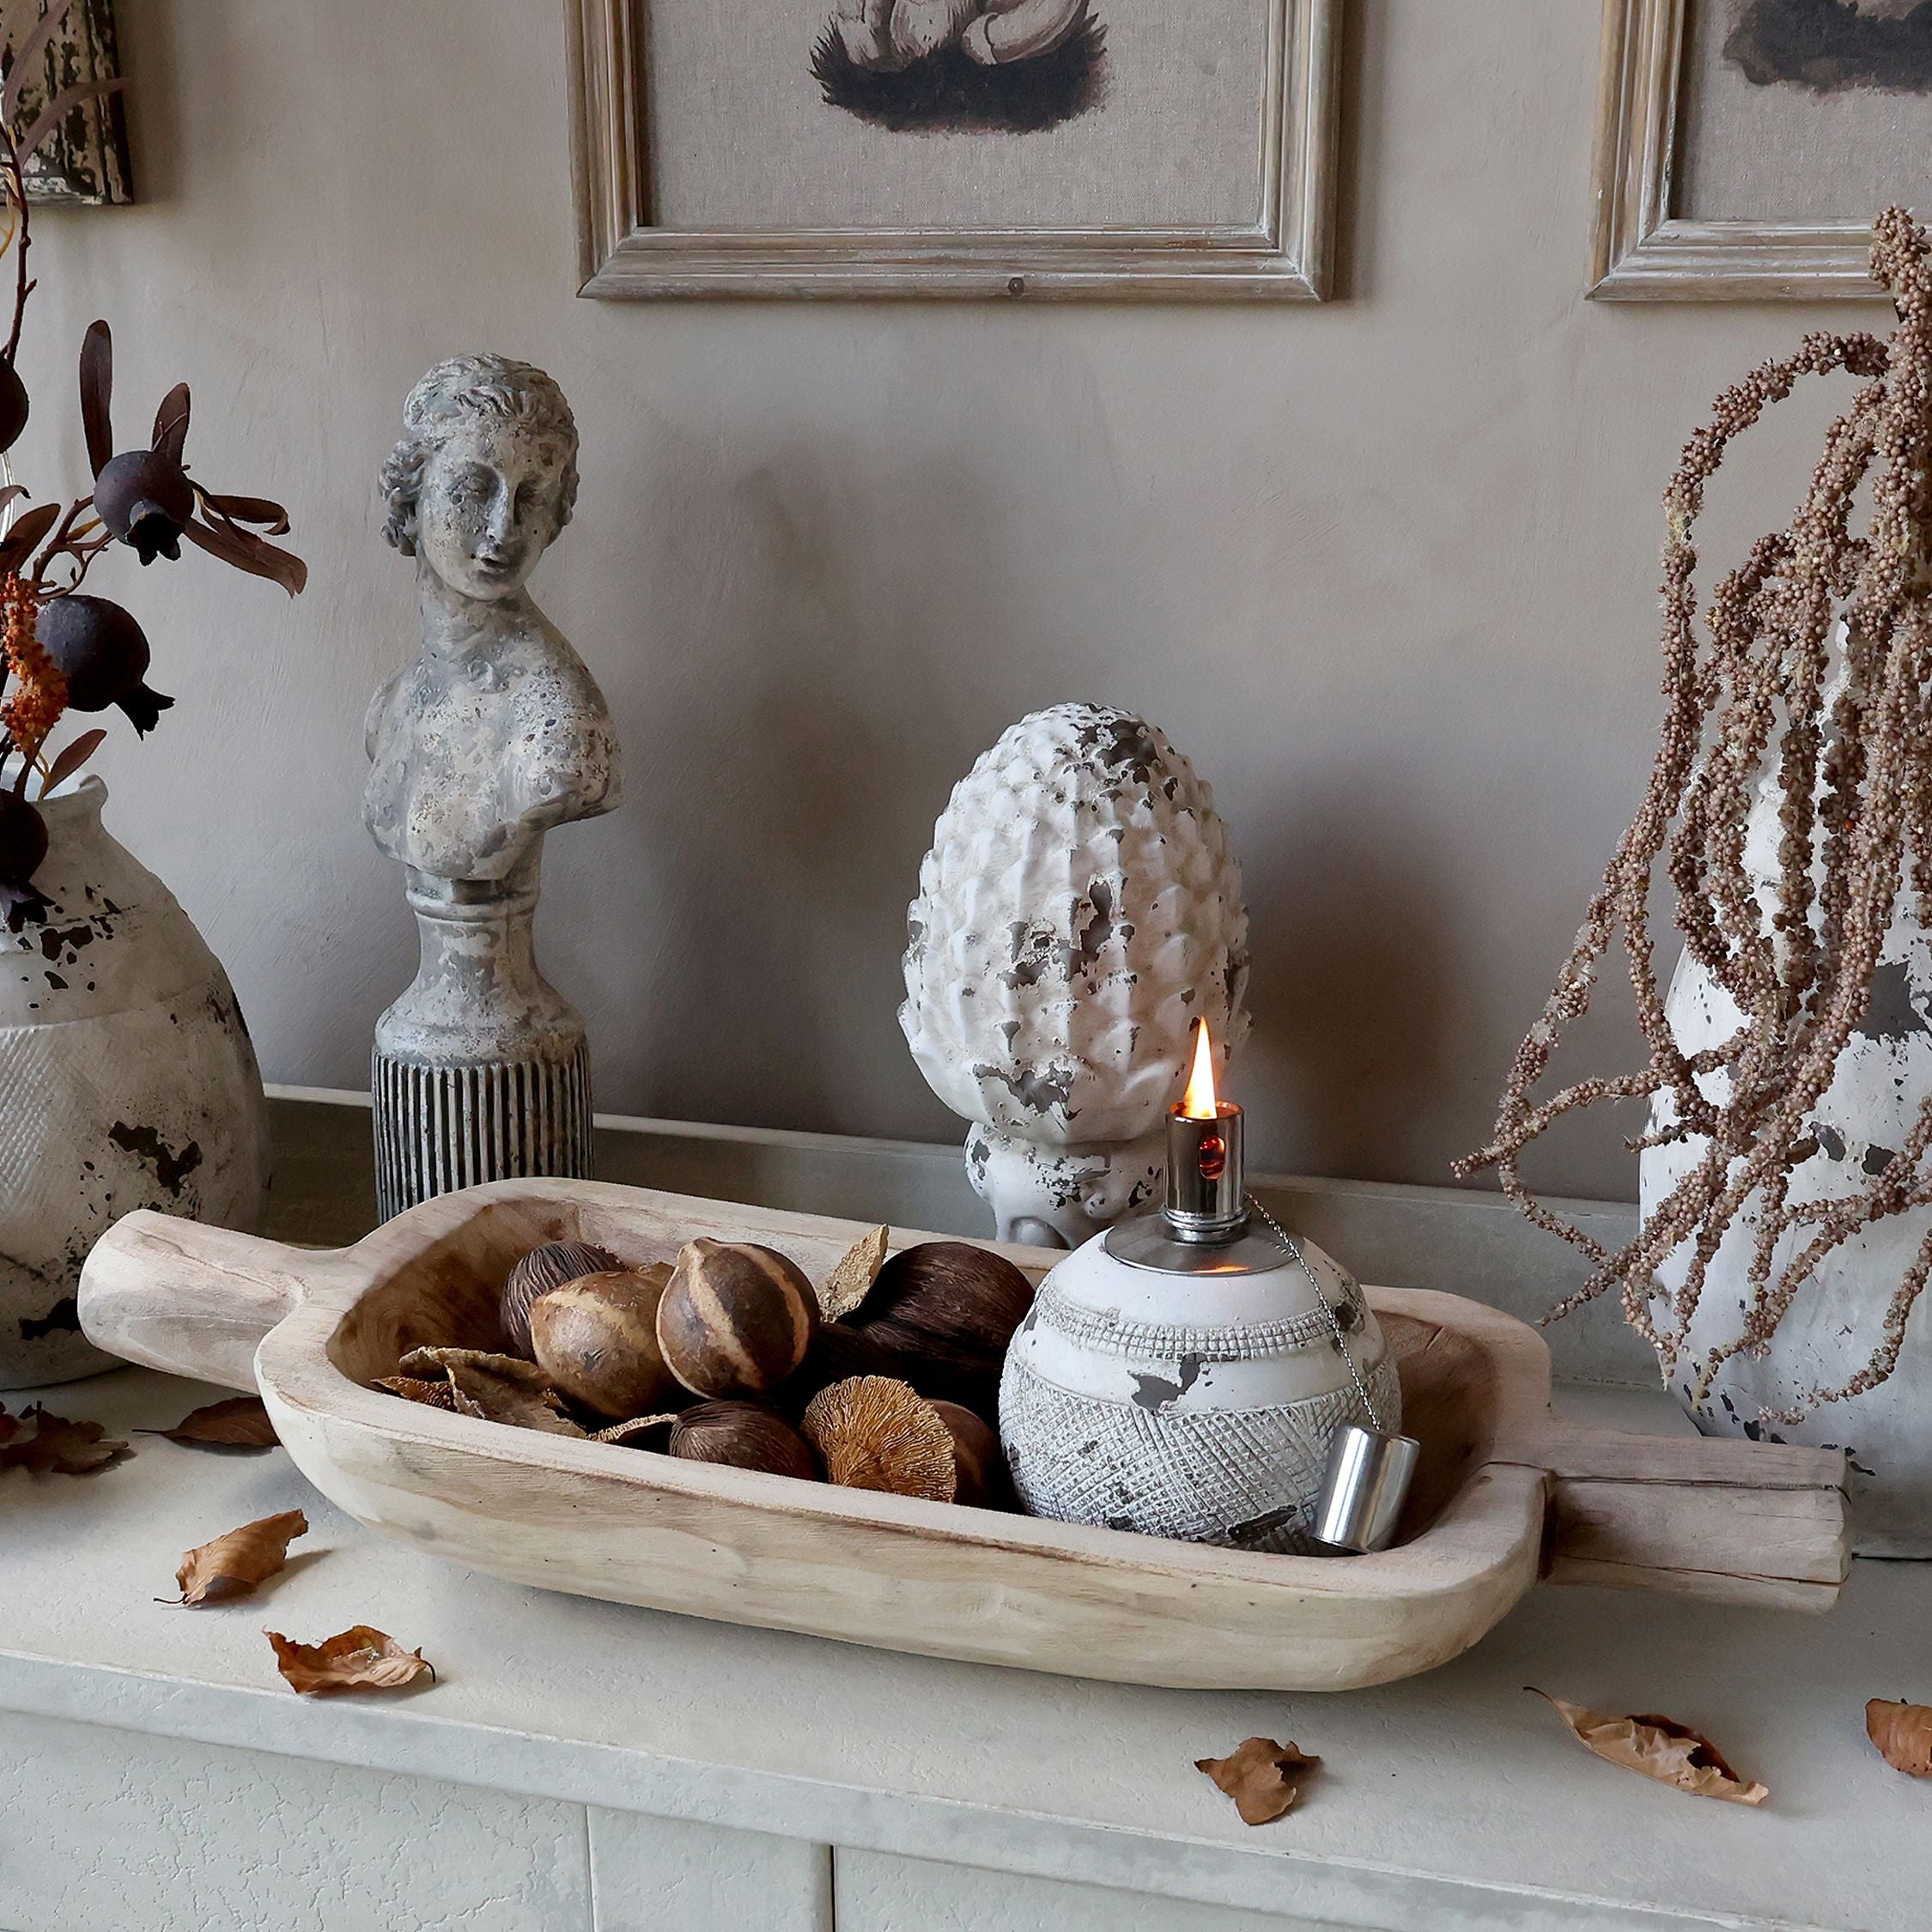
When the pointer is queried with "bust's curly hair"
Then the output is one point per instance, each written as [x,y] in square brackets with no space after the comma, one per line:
[486,386]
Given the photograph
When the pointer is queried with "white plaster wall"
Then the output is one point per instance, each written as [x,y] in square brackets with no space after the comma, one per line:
[1385,569]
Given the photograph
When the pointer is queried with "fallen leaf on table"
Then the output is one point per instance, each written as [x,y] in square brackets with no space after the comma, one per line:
[1260,1776]
[497,1388]
[852,1280]
[66,1449]
[232,1566]
[1903,1733]
[638,1425]
[1659,1748]
[412,1388]
[361,1659]
[241,1422]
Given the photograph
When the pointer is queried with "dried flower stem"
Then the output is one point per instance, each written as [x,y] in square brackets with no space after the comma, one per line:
[1752,701]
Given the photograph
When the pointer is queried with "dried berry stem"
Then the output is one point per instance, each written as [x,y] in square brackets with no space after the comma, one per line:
[1755,704]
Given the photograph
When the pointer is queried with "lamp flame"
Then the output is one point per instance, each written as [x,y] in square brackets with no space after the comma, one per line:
[1198,1101]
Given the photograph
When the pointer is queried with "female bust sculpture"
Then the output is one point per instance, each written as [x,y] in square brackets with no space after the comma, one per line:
[496,732]
[491,735]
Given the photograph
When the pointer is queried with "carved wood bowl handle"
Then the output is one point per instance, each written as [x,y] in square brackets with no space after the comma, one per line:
[192,1299]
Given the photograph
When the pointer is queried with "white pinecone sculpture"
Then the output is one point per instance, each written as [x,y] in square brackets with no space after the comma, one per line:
[1079,910]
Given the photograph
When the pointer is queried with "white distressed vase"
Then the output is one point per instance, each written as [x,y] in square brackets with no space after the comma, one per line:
[127,1080]
[1882,1081]
[1080,909]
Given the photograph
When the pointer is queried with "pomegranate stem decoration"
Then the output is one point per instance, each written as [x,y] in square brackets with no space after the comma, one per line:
[63,650]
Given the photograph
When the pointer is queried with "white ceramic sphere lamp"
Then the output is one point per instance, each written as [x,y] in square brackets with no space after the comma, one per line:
[1187,1375]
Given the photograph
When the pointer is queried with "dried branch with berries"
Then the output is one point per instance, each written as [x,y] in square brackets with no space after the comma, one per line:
[63,649]
[1810,677]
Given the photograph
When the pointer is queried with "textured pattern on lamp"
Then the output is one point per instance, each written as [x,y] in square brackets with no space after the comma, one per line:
[1079,910]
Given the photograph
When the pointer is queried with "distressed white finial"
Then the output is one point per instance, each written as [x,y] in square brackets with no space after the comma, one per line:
[1080,908]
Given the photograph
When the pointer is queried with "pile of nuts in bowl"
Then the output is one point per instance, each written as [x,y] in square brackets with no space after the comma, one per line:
[887,1378]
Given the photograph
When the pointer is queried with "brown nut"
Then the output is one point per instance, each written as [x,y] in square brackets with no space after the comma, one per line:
[837,1354]
[950,1302]
[737,1319]
[873,1432]
[596,1338]
[746,1436]
[980,1467]
[541,1270]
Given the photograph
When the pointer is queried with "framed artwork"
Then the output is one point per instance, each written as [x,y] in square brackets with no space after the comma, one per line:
[1113,149]
[1744,146]
[84,162]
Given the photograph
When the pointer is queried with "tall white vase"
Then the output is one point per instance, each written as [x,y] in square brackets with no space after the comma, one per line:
[126,1080]
[1883,1080]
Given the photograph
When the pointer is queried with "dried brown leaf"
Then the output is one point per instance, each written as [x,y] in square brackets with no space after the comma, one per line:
[1261,1776]
[234,1564]
[246,551]
[170,422]
[361,1659]
[10,1426]
[70,761]
[638,1425]
[1659,1748]
[58,1446]
[97,394]
[851,1281]
[412,1388]
[241,1422]
[21,541]
[496,1388]
[1903,1733]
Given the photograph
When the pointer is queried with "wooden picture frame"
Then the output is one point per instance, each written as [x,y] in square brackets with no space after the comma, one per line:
[1642,251]
[1285,255]
[83,162]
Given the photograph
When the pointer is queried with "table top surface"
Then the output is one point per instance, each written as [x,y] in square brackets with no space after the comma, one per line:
[1461,1774]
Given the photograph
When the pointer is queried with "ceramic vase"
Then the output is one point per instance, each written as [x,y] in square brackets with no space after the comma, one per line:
[1882,1081]
[1199,1406]
[1079,910]
[127,1080]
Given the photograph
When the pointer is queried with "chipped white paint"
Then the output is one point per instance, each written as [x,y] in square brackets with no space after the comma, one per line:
[1199,1406]
[1080,908]
[1882,1082]
[492,734]
[126,1080]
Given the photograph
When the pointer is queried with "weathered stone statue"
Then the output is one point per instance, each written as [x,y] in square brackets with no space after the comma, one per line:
[494,732]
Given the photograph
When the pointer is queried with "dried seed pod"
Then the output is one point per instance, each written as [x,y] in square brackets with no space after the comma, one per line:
[596,1337]
[875,1432]
[963,1302]
[747,1436]
[980,1467]
[837,1354]
[541,1270]
[145,498]
[737,1319]
[851,1281]
[13,406]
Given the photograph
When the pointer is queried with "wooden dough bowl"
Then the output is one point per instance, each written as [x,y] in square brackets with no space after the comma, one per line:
[1505,1494]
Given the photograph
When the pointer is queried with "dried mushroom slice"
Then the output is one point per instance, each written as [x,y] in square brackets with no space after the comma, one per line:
[874,1432]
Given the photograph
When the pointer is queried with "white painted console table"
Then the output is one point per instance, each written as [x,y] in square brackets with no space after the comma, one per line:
[580,1764]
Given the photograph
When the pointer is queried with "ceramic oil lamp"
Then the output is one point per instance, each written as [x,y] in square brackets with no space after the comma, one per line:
[1188,1373]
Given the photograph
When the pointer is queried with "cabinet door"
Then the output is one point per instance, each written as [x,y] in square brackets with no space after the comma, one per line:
[877,1893]
[107,1831]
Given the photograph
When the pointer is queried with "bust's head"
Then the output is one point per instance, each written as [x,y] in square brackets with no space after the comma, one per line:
[486,473]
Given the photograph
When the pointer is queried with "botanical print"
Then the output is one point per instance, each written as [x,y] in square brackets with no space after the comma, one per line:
[1829,45]
[966,66]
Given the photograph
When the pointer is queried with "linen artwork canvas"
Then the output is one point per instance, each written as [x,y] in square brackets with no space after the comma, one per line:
[1797,111]
[973,115]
